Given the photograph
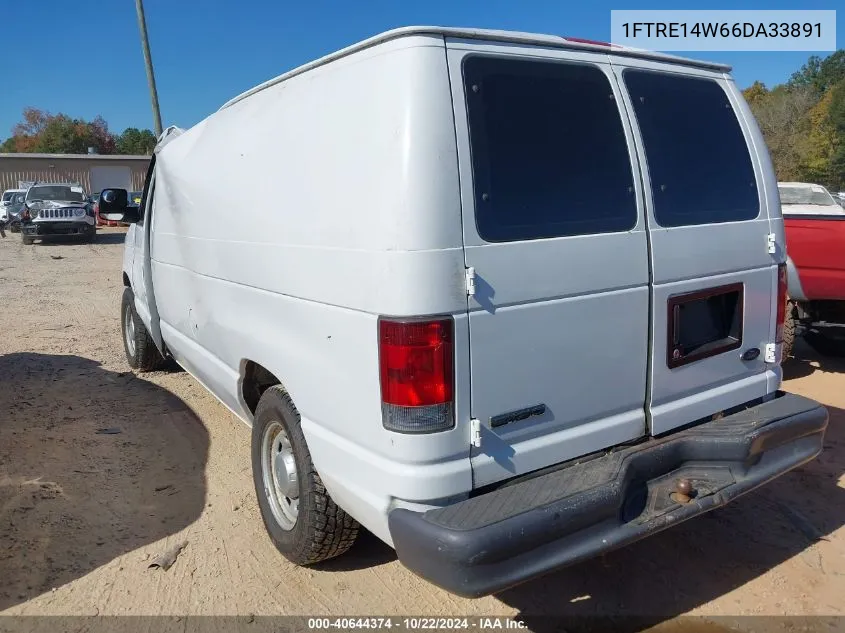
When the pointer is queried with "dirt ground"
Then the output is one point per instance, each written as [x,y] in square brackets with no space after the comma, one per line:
[102,469]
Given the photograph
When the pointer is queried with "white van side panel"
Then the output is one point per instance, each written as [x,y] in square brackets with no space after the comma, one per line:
[362,145]
[287,222]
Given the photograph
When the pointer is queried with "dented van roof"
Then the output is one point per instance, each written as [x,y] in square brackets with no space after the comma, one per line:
[514,37]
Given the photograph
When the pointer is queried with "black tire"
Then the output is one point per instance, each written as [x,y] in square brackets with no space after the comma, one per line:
[27,241]
[321,530]
[788,331]
[143,355]
[824,345]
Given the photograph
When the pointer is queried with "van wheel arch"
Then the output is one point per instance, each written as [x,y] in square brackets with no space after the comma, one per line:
[256,380]
[302,520]
[321,529]
[138,345]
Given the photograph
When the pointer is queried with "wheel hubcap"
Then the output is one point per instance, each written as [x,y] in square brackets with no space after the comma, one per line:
[129,330]
[281,480]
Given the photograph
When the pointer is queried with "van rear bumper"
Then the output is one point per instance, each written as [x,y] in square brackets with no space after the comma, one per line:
[520,531]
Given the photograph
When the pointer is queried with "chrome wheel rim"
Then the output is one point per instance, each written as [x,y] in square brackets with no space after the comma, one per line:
[279,474]
[129,330]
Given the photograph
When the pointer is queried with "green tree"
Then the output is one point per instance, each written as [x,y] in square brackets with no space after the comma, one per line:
[821,74]
[807,74]
[40,131]
[783,118]
[756,93]
[135,141]
[803,121]
[62,135]
[818,148]
[837,121]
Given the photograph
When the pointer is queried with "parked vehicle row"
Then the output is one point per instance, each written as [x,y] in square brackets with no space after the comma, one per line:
[46,210]
[622,377]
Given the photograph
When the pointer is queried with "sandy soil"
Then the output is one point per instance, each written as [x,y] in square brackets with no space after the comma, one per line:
[102,469]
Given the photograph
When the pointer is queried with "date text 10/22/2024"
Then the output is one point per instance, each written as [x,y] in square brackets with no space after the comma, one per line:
[417,623]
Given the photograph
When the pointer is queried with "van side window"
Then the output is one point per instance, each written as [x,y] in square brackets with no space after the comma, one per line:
[549,155]
[698,160]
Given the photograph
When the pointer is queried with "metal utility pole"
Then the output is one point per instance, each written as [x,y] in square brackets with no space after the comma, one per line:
[151,80]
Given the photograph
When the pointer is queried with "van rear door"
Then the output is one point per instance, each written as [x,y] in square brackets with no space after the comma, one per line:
[554,229]
[714,279]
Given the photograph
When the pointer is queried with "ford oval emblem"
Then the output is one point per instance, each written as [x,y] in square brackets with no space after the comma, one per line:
[751,354]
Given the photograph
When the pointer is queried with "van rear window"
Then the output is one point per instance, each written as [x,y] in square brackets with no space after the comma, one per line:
[549,153]
[698,160]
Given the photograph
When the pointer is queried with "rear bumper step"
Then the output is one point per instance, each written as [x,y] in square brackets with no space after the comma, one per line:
[518,532]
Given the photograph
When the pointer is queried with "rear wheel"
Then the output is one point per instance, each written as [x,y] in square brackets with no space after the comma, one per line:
[140,349]
[789,330]
[303,522]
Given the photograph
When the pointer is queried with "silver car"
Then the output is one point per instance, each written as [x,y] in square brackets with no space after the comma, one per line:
[57,209]
[7,201]
[12,210]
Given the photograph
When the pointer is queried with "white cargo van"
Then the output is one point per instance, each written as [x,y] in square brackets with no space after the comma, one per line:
[506,300]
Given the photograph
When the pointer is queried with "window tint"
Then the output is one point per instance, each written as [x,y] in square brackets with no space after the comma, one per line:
[548,150]
[700,168]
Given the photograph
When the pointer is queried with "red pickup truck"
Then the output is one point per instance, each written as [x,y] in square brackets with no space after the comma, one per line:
[815,245]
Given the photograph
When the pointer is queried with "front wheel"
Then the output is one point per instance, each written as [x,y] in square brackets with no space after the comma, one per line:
[140,349]
[303,522]
[26,239]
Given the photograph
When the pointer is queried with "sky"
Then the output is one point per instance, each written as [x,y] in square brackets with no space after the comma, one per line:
[83,57]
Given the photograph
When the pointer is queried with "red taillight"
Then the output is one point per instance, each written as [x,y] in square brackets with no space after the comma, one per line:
[417,374]
[416,362]
[781,307]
